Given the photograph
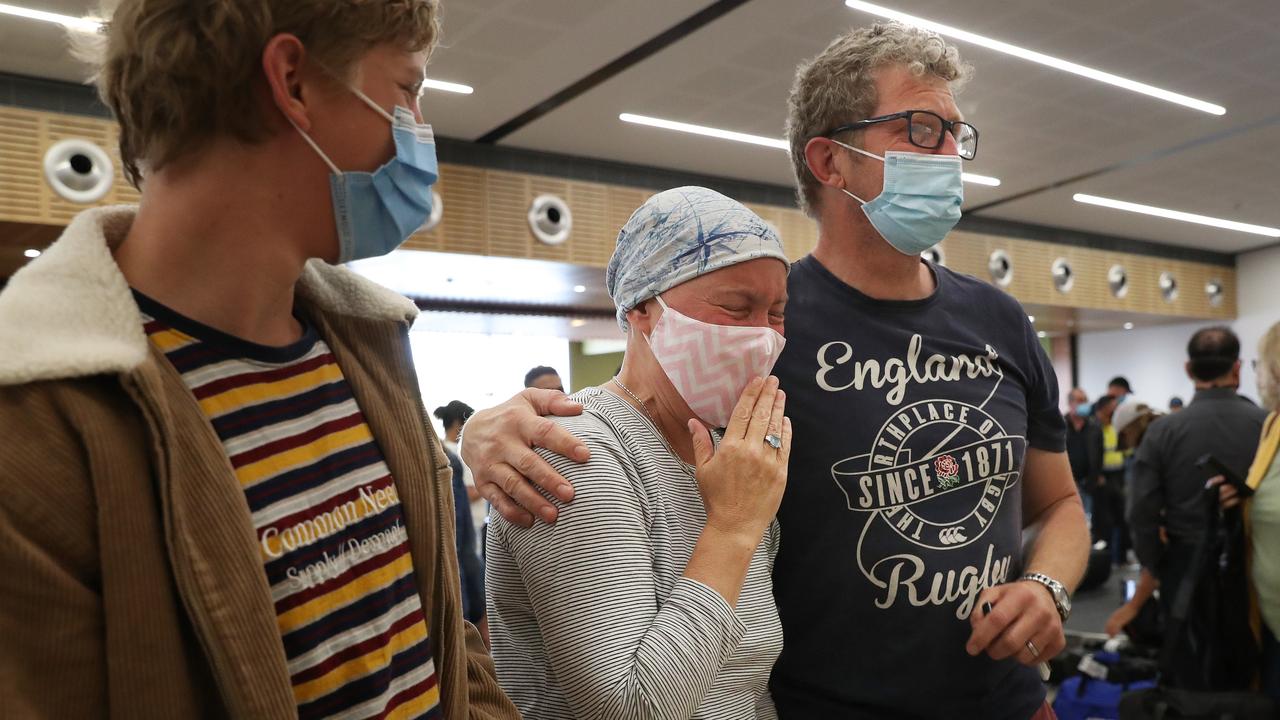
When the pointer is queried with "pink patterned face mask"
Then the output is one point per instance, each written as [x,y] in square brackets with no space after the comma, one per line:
[710,365]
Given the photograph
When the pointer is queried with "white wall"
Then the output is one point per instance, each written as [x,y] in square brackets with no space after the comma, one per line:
[1152,358]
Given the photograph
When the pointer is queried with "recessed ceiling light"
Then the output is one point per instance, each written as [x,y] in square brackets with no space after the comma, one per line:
[1042,334]
[579,288]
[1032,318]
[1128,326]
[79,24]
[1040,58]
[577,322]
[32,253]
[777,143]
[448,86]
[1177,215]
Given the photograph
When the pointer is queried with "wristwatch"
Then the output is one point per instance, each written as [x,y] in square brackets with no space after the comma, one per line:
[1061,599]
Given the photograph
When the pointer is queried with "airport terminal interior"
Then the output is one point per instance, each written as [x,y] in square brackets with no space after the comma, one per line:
[1099,266]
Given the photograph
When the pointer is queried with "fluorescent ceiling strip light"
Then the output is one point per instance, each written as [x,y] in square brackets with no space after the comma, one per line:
[1041,58]
[703,130]
[88,25]
[752,139]
[1177,215]
[448,86]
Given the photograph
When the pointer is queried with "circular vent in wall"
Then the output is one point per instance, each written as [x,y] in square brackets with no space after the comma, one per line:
[1063,276]
[550,219]
[1001,268]
[1215,291]
[1168,287]
[437,212]
[1118,281]
[78,171]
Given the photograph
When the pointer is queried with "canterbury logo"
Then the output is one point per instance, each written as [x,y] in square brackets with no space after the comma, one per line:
[952,536]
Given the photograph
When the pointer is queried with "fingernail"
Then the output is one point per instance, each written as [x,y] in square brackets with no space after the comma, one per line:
[581,452]
[548,514]
[565,492]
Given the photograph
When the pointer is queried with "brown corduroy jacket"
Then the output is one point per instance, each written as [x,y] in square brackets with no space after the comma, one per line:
[130,579]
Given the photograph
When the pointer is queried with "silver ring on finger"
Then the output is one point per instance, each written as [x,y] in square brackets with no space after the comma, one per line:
[1035,653]
[773,441]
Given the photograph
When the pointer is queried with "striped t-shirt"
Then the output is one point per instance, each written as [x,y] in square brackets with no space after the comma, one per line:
[593,617]
[326,512]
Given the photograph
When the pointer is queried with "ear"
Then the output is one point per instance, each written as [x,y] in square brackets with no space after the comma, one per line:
[283,60]
[644,316]
[1187,366]
[820,156]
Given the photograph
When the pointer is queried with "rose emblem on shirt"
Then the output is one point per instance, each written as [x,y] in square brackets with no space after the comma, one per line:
[948,470]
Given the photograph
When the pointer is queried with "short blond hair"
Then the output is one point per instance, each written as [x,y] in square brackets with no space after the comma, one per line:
[1269,368]
[177,72]
[838,86]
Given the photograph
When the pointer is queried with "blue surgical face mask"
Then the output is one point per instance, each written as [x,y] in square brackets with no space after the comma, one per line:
[376,212]
[920,202]
[1083,409]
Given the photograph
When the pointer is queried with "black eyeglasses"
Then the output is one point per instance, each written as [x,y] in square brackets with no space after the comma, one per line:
[925,130]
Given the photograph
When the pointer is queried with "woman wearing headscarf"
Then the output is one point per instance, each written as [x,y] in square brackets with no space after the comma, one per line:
[1262,517]
[651,596]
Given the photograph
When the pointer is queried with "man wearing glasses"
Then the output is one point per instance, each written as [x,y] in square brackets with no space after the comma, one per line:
[927,433]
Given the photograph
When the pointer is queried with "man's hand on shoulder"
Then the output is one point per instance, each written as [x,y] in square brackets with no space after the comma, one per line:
[497,445]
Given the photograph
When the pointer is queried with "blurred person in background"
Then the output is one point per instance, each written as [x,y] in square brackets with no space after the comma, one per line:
[1166,483]
[1262,516]
[1119,388]
[1108,506]
[543,378]
[1084,445]
[453,416]
[1175,404]
[219,492]
[1131,421]
[470,567]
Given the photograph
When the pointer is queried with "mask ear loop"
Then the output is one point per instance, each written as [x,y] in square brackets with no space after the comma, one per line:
[314,146]
[857,150]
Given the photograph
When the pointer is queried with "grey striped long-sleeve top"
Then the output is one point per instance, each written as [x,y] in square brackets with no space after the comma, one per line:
[591,617]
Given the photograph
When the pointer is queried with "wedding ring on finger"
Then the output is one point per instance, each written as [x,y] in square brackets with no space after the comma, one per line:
[773,441]
[1035,653]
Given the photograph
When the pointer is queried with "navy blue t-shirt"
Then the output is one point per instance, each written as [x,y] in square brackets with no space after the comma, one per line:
[911,421]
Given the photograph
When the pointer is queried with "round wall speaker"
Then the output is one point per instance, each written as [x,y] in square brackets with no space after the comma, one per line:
[1118,281]
[437,212]
[935,256]
[78,171]
[1168,287]
[1064,278]
[1001,268]
[550,219]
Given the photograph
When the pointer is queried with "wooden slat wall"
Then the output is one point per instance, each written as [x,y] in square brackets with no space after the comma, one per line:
[485,213]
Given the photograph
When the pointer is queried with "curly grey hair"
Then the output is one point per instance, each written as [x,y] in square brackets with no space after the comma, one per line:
[838,86]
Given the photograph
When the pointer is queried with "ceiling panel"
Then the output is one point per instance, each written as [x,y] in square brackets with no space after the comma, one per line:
[1040,127]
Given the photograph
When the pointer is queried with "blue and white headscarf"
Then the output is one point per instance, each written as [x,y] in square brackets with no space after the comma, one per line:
[678,235]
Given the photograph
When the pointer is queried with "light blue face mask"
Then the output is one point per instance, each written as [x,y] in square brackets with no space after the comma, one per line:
[1083,409]
[920,202]
[376,212]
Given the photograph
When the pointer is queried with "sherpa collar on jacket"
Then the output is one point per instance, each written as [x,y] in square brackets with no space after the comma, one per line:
[69,313]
